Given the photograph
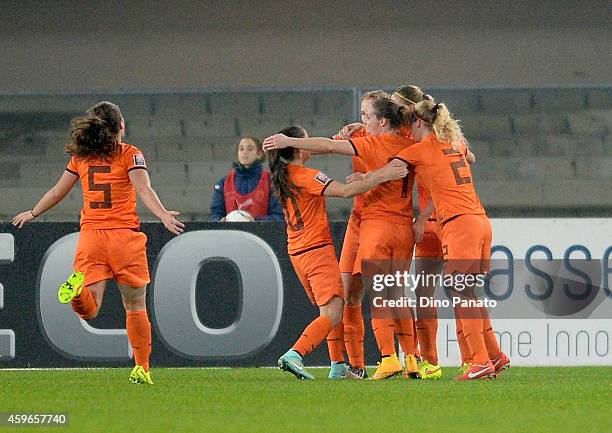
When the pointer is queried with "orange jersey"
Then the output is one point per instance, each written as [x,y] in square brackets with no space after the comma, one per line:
[306,215]
[391,201]
[424,197]
[109,198]
[446,175]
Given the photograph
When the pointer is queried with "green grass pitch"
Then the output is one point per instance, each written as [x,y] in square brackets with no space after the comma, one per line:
[267,400]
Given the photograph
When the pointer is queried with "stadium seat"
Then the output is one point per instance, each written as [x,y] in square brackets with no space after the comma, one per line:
[234,103]
[211,126]
[559,99]
[594,168]
[504,101]
[296,104]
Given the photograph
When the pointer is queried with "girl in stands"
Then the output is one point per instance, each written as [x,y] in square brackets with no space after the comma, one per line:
[385,234]
[111,244]
[465,230]
[246,188]
[301,190]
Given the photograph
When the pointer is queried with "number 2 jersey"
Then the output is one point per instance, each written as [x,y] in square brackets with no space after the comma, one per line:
[109,198]
[306,215]
[446,175]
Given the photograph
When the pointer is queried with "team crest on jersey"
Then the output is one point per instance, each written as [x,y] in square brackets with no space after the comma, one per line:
[139,160]
[322,177]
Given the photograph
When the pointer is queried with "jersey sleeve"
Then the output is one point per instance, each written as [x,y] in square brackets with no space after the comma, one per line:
[315,182]
[410,155]
[72,166]
[134,159]
[361,145]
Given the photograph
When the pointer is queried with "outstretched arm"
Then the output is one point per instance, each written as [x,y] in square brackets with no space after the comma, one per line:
[419,222]
[313,144]
[142,184]
[50,199]
[391,171]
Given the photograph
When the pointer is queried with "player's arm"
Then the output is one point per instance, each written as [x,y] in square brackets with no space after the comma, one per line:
[142,185]
[318,145]
[419,222]
[390,171]
[470,157]
[50,199]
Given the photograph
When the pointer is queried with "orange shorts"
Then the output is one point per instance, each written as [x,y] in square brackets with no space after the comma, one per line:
[387,243]
[120,254]
[319,273]
[348,262]
[430,246]
[466,244]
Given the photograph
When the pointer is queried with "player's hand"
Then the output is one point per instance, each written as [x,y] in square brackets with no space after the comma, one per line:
[21,219]
[276,141]
[171,223]
[418,228]
[395,169]
[355,177]
[348,130]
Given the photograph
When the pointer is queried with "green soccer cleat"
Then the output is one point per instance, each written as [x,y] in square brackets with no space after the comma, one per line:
[291,361]
[139,376]
[464,368]
[71,288]
[429,371]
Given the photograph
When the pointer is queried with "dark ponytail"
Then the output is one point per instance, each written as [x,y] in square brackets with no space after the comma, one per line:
[278,159]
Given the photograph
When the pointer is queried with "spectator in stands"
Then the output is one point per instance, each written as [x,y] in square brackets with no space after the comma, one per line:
[246,188]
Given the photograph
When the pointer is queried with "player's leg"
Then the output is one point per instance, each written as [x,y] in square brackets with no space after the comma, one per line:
[139,331]
[353,293]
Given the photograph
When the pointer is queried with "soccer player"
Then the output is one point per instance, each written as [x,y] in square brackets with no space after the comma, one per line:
[301,191]
[465,230]
[110,244]
[385,234]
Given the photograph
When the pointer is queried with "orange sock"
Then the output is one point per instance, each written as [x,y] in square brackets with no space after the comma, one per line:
[427,330]
[85,305]
[313,335]
[335,343]
[353,335]
[404,329]
[383,331]
[466,357]
[139,333]
[471,324]
[415,336]
[489,336]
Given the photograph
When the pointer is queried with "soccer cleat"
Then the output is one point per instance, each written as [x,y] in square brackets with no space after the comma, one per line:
[477,371]
[139,376]
[360,373]
[464,367]
[291,361]
[429,371]
[411,367]
[388,367]
[501,363]
[71,288]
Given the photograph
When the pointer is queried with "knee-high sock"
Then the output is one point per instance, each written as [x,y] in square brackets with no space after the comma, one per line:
[85,305]
[335,343]
[427,330]
[313,335]
[384,333]
[471,323]
[489,336]
[466,356]
[139,333]
[353,335]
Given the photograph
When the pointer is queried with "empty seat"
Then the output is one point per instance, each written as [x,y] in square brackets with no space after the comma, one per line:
[211,126]
[504,101]
[291,103]
[506,193]
[234,103]
[153,126]
[560,99]
[594,168]
[574,193]
[168,173]
[184,149]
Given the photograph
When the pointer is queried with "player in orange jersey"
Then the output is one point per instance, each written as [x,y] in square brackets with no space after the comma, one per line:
[111,244]
[385,235]
[301,190]
[464,227]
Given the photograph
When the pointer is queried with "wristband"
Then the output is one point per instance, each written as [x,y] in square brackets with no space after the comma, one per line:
[33,215]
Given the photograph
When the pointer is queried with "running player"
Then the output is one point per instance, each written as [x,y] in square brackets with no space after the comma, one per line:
[465,230]
[301,190]
[385,234]
[110,244]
